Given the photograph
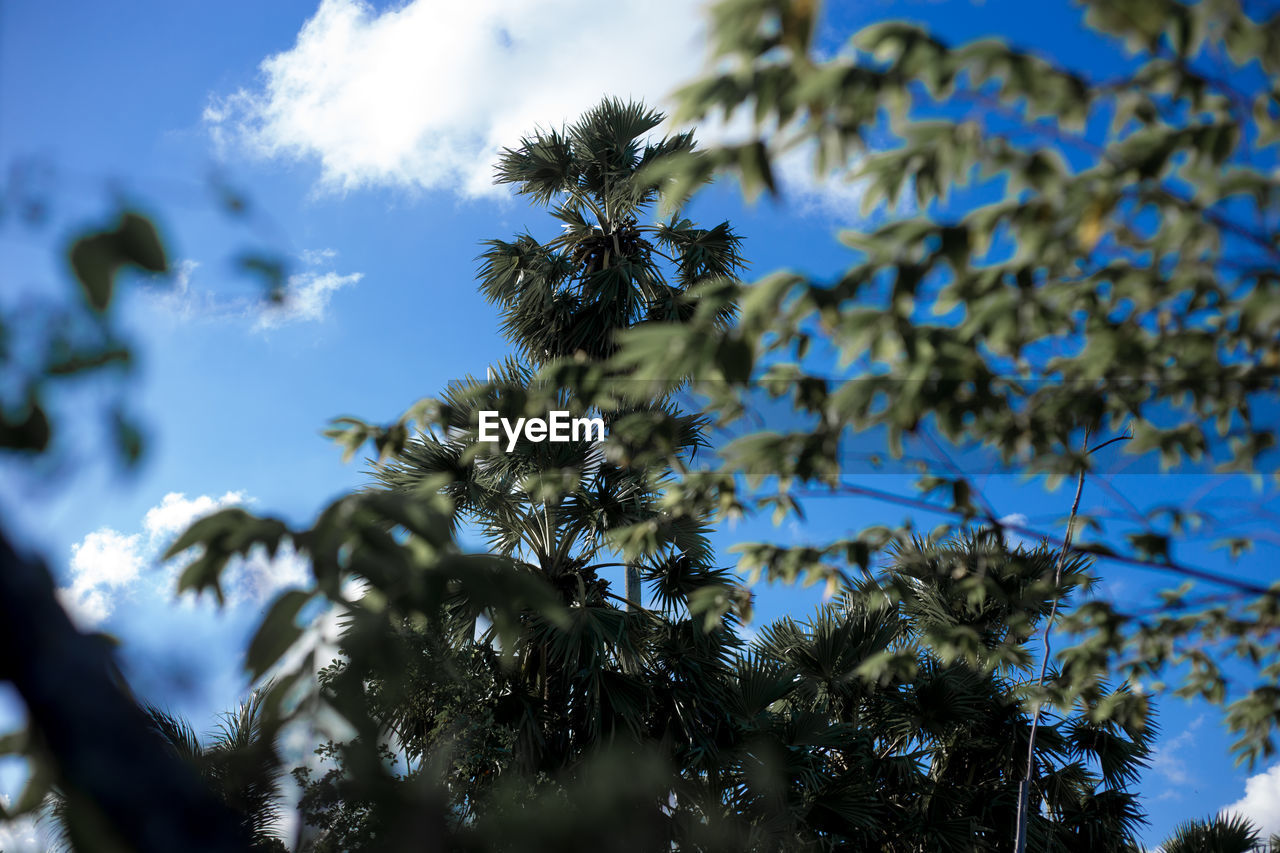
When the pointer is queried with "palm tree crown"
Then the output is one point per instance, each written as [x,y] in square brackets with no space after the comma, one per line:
[607,270]
[1222,833]
[238,761]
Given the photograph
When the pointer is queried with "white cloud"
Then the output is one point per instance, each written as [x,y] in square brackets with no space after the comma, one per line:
[108,566]
[176,298]
[176,511]
[424,95]
[1013,538]
[1169,763]
[21,835]
[180,301]
[102,564]
[306,296]
[259,577]
[315,257]
[1261,801]
[747,633]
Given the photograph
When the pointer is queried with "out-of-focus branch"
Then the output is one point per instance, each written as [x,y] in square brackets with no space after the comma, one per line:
[106,754]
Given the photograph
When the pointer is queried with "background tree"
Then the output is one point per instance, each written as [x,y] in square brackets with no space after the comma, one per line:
[239,764]
[838,749]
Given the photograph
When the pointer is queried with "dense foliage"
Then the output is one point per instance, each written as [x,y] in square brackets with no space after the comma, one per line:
[239,763]
[802,741]
[563,513]
[1082,257]
[1123,283]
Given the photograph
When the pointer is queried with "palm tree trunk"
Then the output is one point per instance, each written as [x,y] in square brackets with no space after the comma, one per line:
[633,588]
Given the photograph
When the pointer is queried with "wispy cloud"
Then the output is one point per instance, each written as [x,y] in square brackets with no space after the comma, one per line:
[315,257]
[1168,761]
[1018,519]
[21,835]
[306,298]
[1015,518]
[178,300]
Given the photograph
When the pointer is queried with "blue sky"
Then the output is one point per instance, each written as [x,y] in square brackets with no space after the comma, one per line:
[362,137]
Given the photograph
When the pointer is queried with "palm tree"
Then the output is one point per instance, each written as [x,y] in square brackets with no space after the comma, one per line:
[855,733]
[239,763]
[614,669]
[1230,833]
[607,270]
[552,508]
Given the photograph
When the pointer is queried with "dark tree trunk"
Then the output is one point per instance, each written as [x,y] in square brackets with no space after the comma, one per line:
[106,751]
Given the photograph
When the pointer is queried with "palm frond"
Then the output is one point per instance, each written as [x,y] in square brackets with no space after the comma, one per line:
[1223,833]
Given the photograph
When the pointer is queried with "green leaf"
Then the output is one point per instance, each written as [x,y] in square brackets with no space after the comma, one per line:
[31,431]
[97,258]
[277,633]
